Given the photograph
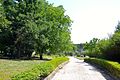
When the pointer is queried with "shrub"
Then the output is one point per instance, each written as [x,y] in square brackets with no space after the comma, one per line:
[78,55]
[112,67]
[40,71]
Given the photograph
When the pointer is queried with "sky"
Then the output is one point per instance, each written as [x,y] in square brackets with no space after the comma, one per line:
[91,18]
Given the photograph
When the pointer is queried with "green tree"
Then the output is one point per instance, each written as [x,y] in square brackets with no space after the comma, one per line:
[4,30]
[113,50]
[36,26]
[91,47]
[117,27]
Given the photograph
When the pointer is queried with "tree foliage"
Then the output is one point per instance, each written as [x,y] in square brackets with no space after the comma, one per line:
[106,48]
[34,25]
[91,47]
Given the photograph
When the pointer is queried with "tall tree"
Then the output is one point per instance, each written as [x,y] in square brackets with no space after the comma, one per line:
[91,47]
[118,27]
[4,30]
[37,26]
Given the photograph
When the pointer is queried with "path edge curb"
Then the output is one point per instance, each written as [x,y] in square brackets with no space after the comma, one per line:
[50,76]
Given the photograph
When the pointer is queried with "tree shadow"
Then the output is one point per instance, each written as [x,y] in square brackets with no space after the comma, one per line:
[103,72]
[25,59]
[80,62]
[83,63]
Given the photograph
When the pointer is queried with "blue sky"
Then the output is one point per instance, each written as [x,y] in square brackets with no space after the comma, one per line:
[91,18]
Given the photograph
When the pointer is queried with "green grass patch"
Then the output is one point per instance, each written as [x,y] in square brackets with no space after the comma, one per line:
[81,58]
[9,68]
[52,56]
[112,67]
[40,71]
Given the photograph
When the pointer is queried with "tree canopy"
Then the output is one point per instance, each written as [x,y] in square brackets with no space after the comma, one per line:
[33,25]
[105,48]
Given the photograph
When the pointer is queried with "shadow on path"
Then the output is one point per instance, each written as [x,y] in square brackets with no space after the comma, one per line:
[79,70]
[97,69]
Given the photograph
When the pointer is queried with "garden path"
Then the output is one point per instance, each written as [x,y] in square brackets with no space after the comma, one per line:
[79,70]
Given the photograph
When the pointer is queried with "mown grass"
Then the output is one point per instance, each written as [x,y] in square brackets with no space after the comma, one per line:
[41,70]
[9,68]
[52,56]
[81,58]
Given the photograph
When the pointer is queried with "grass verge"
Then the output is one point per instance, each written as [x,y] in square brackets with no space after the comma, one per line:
[40,71]
[81,58]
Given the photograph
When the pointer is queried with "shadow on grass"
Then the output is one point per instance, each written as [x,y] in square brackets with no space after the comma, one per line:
[25,59]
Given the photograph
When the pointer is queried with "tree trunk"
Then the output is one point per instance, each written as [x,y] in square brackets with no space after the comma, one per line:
[41,57]
[18,51]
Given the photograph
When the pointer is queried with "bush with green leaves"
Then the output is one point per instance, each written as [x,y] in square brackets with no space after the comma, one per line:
[40,71]
[112,67]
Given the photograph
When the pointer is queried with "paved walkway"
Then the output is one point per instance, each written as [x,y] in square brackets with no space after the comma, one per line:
[79,70]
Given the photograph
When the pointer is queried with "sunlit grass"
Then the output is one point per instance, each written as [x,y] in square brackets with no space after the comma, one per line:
[10,67]
[50,56]
[81,58]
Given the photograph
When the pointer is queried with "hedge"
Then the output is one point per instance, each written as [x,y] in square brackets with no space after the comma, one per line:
[112,67]
[40,71]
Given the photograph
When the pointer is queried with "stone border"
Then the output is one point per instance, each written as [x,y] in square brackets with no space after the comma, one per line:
[49,77]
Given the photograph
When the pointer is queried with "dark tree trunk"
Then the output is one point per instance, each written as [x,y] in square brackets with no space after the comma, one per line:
[29,54]
[41,56]
[18,51]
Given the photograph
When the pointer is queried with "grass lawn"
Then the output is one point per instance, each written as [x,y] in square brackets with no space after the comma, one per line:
[81,58]
[51,56]
[10,67]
